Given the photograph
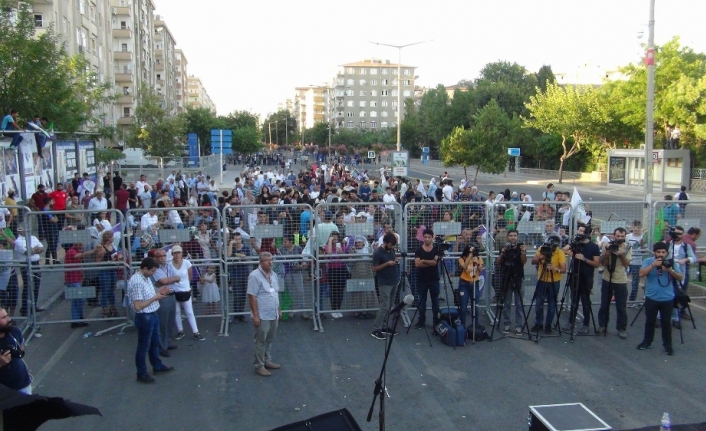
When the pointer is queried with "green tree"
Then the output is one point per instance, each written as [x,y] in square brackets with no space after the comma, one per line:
[156,133]
[246,140]
[107,155]
[574,113]
[510,84]
[281,127]
[38,77]
[201,121]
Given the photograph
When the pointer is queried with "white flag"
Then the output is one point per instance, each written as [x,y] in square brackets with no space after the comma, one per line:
[577,204]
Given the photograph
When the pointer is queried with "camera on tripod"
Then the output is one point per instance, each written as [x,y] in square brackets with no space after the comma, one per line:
[547,249]
[441,245]
[512,251]
[577,243]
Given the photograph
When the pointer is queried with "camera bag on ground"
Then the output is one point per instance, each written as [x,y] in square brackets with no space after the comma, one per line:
[452,335]
[448,314]
[481,334]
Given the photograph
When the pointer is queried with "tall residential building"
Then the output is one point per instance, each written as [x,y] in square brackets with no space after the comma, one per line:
[133,43]
[165,65]
[365,94]
[197,95]
[310,105]
[181,79]
[84,26]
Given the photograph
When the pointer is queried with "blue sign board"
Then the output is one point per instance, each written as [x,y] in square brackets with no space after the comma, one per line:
[425,150]
[193,142]
[217,145]
[513,152]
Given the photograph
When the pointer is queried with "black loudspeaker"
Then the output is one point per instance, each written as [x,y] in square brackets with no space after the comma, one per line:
[340,420]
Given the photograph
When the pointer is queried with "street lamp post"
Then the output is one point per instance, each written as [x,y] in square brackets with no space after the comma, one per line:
[399,86]
[649,129]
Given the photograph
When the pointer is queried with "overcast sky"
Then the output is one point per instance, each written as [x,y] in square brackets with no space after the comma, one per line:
[251,54]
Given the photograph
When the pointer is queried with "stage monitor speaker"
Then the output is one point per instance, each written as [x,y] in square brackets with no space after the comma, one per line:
[340,420]
[565,417]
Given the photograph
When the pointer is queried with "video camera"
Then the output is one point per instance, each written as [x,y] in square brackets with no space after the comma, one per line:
[614,246]
[577,243]
[441,245]
[512,251]
[673,233]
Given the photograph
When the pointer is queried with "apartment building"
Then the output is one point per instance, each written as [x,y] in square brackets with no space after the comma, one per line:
[197,95]
[311,105]
[180,78]
[84,27]
[365,94]
[165,65]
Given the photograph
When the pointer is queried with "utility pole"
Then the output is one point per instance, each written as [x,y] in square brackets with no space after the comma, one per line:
[649,129]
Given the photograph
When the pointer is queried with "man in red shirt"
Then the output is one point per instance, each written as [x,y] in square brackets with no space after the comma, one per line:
[37,200]
[73,278]
[59,195]
[121,199]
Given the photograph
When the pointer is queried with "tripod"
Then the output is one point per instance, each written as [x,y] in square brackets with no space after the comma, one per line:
[572,283]
[404,283]
[509,278]
[534,298]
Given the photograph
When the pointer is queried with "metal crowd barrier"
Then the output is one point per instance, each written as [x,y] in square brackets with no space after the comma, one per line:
[15,267]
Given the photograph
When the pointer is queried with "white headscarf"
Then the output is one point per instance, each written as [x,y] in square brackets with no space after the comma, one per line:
[366,247]
[528,198]
[421,189]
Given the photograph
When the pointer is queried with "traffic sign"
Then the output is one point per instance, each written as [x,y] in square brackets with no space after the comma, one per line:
[513,152]
[655,157]
[371,154]
[400,162]
[425,150]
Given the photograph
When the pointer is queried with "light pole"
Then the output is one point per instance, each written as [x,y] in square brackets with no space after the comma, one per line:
[399,86]
[649,129]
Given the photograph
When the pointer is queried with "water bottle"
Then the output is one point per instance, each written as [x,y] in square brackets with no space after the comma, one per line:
[666,423]
[89,334]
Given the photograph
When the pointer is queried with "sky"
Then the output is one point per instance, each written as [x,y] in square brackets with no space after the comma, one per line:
[250,55]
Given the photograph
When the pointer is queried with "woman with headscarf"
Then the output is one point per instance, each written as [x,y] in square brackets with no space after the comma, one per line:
[432,187]
[361,270]
[421,191]
[527,209]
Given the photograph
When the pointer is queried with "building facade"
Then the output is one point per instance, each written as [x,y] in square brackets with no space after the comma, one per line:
[364,94]
[197,96]
[165,68]
[311,105]
[181,78]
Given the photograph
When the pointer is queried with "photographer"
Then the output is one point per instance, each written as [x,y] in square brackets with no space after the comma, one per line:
[471,267]
[615,259]
[426,258]
[585,259]
[512,259]
[551,263]
[659,295]
[385,265]
[13,370]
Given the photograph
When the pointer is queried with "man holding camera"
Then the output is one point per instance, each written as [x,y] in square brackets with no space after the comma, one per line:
[13,370]
[660,273]
[425,260]
[616,260]
[512,260]
[585,259]
[385,265]
[552,263]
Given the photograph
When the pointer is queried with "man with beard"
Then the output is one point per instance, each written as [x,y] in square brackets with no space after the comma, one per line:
[13,371]
[615,259]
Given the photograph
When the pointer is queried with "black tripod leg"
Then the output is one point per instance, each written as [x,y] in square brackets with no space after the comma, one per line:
[638,313]
[529,313]
[688,309]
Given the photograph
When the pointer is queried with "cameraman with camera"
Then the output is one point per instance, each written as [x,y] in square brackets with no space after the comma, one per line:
[551,263]
[13,370]
[512,260]
[471,266]
[585,259]
[616,260]
[426,258]
[659,295]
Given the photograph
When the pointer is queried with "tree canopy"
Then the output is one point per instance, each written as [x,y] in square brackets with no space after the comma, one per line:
[158,134]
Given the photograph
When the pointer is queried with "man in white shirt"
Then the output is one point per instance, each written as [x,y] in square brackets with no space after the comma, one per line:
[5,218]
[448,191]
[145,197]
[149,220]
[97,204]
[389,198]
[316,192]
[141,183]
[35,249]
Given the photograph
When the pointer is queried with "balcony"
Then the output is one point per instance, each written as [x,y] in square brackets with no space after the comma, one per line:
[123,77]
[121,11]
[160,82]
[159,67]
[159,53]
[318,100]
[125,121]
[122,33]
[318,117]
[126,100]
[122,55]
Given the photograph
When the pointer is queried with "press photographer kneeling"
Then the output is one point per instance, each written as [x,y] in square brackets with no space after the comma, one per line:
[662,274]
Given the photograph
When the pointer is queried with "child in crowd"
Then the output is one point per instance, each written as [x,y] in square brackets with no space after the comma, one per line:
[209,290]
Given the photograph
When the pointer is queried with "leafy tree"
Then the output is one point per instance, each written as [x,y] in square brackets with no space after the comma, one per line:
[434,117]
[545,76]
[239,119]
[509,84]
[156,133]
[38,77]
[282,127]
[201,121]
[574,113]
[246,140]
[107,155]
[317,135]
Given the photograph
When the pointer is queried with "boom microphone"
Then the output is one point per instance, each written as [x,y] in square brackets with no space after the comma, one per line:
[408,300]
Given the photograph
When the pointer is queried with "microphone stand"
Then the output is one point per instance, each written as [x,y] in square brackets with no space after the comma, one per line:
[380,389]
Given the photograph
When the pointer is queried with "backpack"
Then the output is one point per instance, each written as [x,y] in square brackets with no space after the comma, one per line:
[481,334]
[683,196]
[452,336]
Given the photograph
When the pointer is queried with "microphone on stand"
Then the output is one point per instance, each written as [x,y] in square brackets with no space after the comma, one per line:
[408,300]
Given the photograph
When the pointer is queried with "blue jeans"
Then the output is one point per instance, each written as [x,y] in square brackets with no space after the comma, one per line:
[634,270]
[546,290]
[431,288]
[147,325]
[107,279]
[620,291]
[465,291]
[76,304]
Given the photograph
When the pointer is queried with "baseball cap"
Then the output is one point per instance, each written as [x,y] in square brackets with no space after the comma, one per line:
[176,249]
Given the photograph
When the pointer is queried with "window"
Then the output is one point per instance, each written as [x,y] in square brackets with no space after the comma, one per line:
[373,113]
[94,44]
[406,72]
[373,82]
[384,114]
[373,71]
[373,124]
[383,103]
[124,47]
[100,52]
[363,71]
[159,76]
[406,93]
[674,162]
[383,82]
[384,71]
[349,93]
[362,92]
[126,112]
[123,25]
[362,103]
[373,103]
[349,103]
[362,124]
[394,83]
[383,125]
[83,6]
[384,93]
[339,81]
[362,114]
[362,82]
[92,13]
[373,93]
[349,82]
[66,25]
[349,125]
[126,91]
[339,93]
[38,20]
[394,103]
[350,114]
[394,92]
[350,70]
[339,114]
[407,82]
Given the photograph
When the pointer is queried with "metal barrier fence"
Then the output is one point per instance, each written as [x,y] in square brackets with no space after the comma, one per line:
[317,276]
[15,266]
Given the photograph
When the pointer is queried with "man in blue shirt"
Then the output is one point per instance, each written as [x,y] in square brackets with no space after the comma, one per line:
[670,211]
[9,122]
[659,295]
